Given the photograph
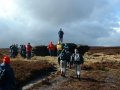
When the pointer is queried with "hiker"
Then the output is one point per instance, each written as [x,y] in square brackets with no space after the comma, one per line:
[63,62]
[28,50]
[16,49]
[77,60]
[11,51]
[68,57]
[51,49]
[7,77]
[23,51]
[60,33]
[59,48]
[66,48]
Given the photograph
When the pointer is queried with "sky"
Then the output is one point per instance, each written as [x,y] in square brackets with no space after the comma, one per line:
[86,22]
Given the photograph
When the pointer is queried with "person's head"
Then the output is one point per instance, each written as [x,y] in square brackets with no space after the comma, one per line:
[60,29]
[28,43]
[58,42]
[51,42]
[76,50]
[6,59]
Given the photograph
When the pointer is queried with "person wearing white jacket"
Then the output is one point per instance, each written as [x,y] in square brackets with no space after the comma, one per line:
[77,60]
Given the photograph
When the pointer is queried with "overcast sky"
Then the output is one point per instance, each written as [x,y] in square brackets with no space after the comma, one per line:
[88,22]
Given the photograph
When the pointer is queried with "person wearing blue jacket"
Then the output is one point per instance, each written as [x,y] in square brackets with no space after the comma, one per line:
[7,81]
[61,33]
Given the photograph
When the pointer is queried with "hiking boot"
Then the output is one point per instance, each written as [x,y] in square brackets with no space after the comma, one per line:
[63,75]
[78,77]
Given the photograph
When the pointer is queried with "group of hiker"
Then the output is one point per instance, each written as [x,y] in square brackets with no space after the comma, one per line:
[68,59]
[65,57]
[24,50]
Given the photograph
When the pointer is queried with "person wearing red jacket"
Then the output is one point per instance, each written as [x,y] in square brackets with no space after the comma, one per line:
[51,49]
[28,50]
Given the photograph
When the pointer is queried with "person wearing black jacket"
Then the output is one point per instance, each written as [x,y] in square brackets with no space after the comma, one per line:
[7,79]
[60,34]
[63,62]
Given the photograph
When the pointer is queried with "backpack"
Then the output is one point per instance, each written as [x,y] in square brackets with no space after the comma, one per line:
[63,56]
[78,59]
[2,75]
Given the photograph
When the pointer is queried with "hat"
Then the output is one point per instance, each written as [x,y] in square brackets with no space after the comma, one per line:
[6,59]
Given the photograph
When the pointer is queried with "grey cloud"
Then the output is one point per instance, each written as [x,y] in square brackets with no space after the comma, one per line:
[88,22]
[58,11]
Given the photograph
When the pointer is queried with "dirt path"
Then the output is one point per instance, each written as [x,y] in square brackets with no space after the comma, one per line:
[52,60]
[48,82]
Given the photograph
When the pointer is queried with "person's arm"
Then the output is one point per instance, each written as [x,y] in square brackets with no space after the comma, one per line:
[72,57]
[82,59]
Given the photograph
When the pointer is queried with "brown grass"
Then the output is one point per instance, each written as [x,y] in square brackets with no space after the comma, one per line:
[26,71]
[94,77]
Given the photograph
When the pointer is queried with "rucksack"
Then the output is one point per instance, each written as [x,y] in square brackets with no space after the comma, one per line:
[2,75]
[63,56]
[77,57]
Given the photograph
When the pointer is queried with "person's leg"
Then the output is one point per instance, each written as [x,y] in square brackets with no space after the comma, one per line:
[59,61]
[30,55]
[27,55]
[61,67]
[78,71]
[65,65]
[50,52]
[53,53]
[61,39]
[58,52]
[75,69]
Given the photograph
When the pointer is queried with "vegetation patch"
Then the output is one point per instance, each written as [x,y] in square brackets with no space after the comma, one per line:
[25,71]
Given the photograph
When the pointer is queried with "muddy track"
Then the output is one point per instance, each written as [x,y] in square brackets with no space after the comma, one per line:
[49,82]
[44,77]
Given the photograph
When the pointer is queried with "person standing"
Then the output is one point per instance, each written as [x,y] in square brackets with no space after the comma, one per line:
[28,50]
[23,51]
[51,48]
[7,77]
[60,33]
[78,60]
[59,48]
[63,62]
